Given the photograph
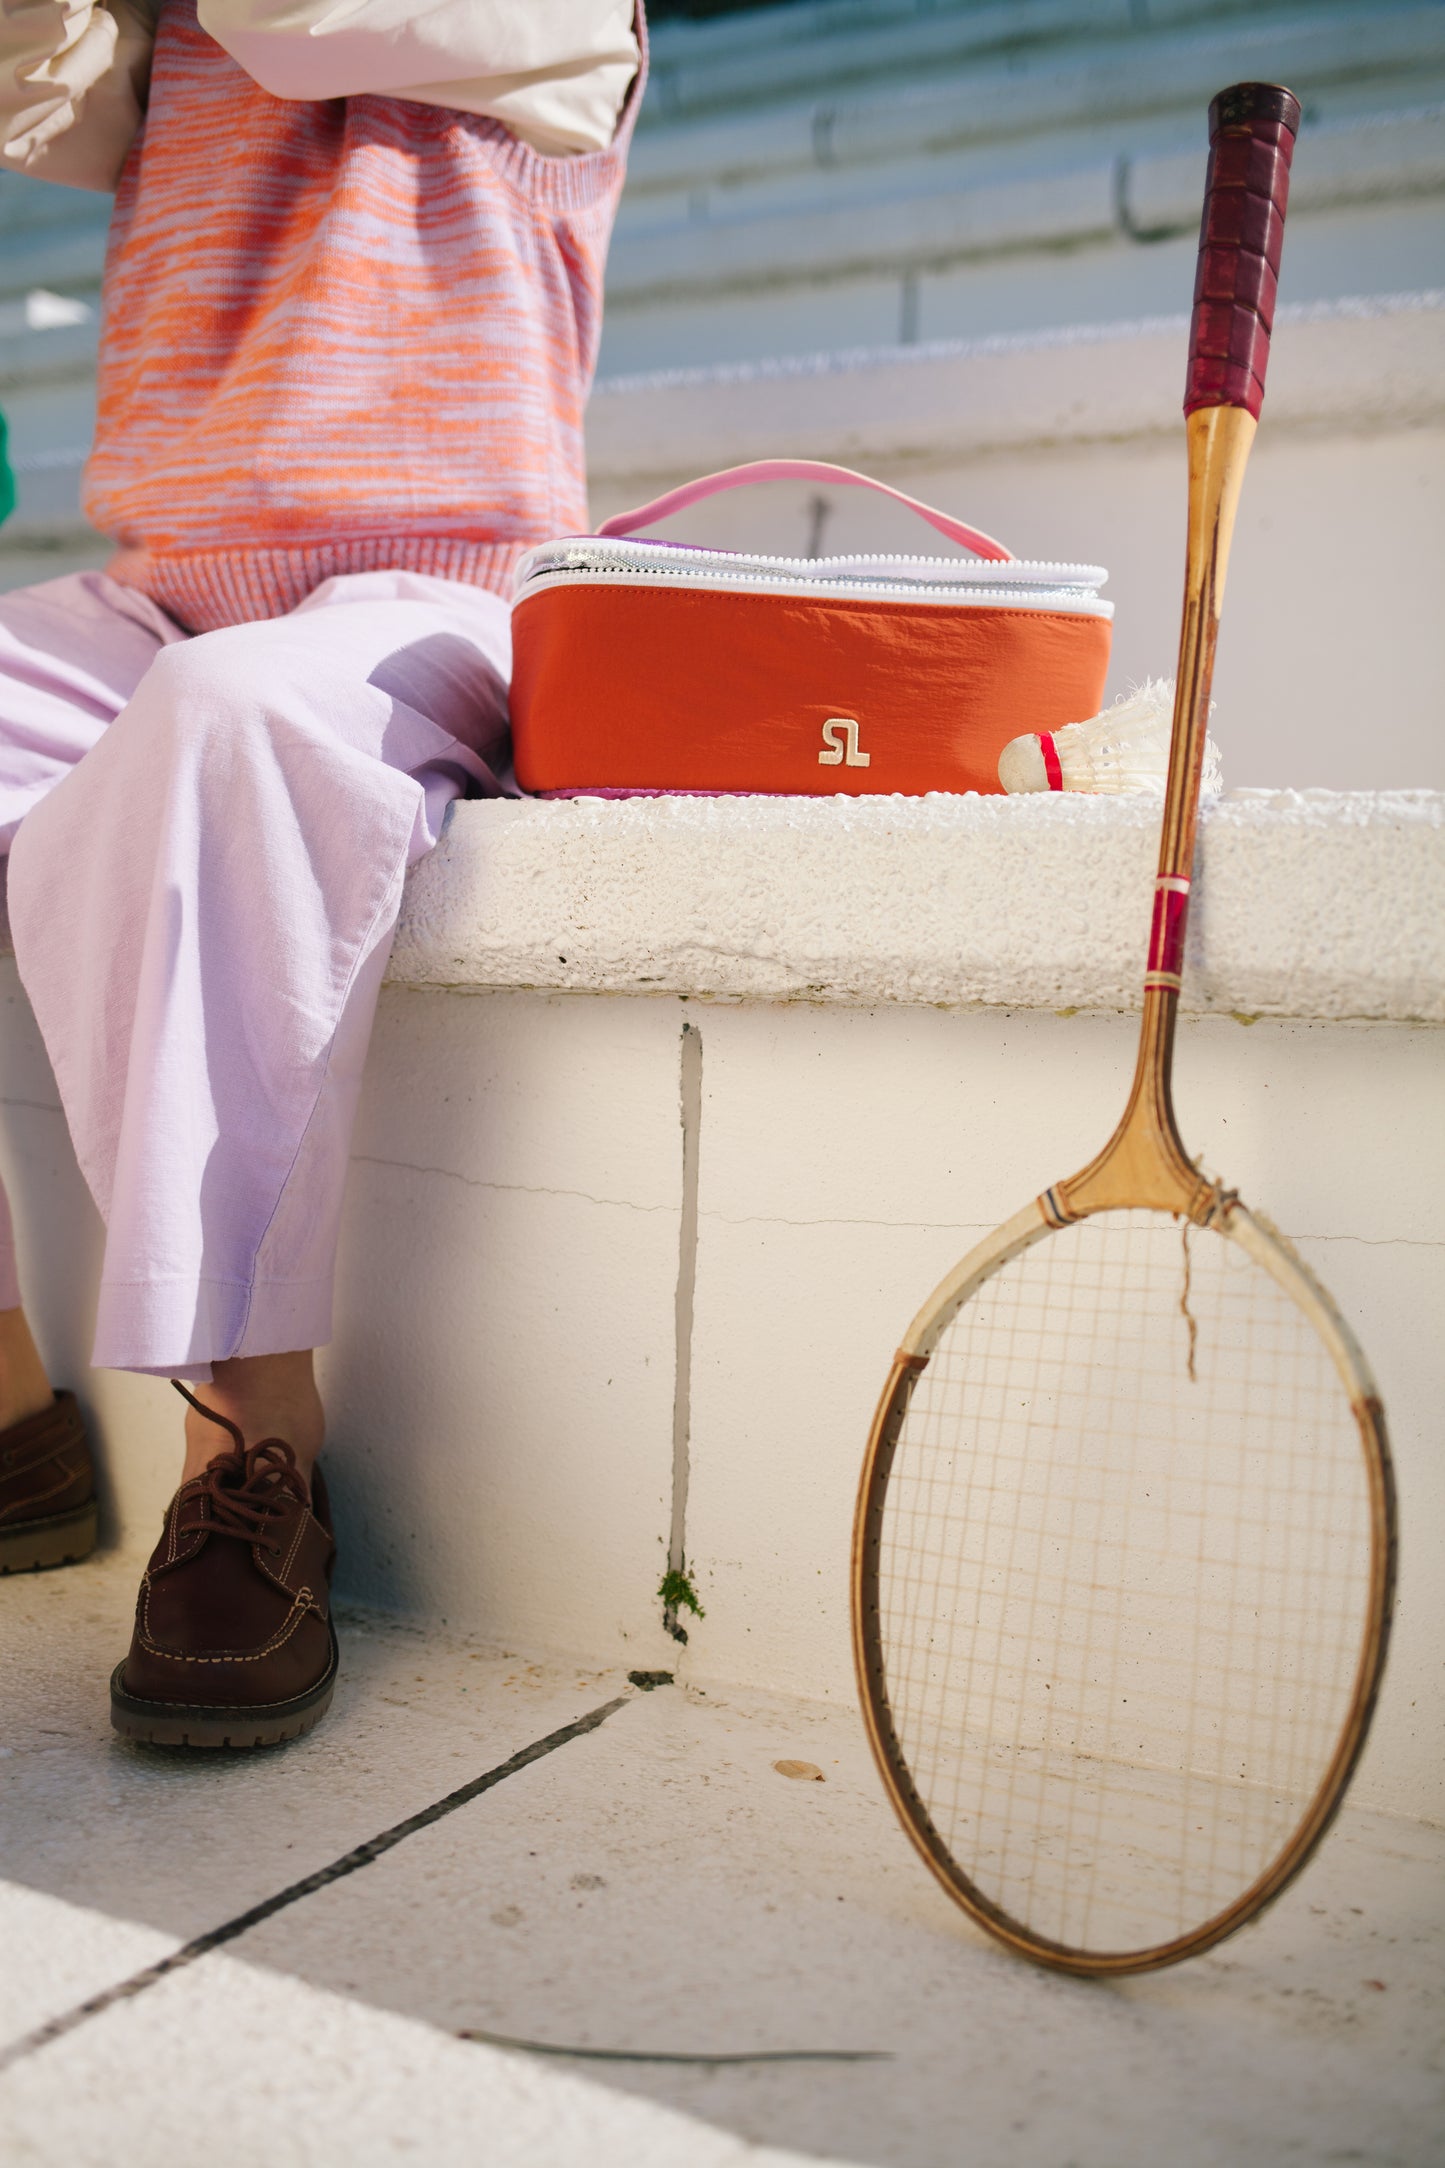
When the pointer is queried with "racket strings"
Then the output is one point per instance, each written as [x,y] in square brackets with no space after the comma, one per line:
[1120,1604]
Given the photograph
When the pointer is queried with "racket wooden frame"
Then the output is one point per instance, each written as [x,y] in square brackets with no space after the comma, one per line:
[1268,1249]
[1145,1165]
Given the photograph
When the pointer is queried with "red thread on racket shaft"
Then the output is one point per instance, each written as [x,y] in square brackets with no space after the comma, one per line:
[1166,934]
[1252,130]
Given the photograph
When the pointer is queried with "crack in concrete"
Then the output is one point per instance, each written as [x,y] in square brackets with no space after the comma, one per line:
[978,1229]
[1370,1242]
[520,1189]
[770,1219]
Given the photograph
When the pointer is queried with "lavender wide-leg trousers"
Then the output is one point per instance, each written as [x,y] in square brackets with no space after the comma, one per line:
[208,839]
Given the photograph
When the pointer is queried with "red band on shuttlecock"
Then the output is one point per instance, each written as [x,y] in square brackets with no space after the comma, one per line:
[1166,936]
[1052,769]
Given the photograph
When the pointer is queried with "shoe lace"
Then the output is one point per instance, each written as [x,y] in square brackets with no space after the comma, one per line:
[242,1491]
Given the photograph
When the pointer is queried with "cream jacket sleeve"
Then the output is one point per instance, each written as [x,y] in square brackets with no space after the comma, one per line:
[74,73]
[73,78]
[553,71]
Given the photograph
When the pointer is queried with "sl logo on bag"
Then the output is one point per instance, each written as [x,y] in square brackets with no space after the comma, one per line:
[840,740]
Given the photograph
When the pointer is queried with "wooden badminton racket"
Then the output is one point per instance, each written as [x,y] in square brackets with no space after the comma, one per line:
[1124,1548]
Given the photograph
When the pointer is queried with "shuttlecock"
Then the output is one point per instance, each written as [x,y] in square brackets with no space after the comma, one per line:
[1126,749]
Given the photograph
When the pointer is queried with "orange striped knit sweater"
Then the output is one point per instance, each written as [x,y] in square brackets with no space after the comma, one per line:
[339,335]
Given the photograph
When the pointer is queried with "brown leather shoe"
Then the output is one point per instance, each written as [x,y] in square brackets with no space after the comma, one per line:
[47,1489]
[233,1642]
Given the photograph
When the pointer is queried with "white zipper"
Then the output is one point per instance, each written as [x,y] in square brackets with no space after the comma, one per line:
[589,561]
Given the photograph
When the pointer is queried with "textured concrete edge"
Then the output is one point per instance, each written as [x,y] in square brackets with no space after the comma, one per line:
[290,2066]
[1317,906]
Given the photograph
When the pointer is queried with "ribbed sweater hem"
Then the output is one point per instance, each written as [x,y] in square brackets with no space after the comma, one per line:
[206,590]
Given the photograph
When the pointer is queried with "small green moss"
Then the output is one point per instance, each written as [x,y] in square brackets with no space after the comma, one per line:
[678,1594]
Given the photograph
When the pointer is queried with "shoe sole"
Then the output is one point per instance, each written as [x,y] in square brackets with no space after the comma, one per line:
[199,1724]
[58,1541]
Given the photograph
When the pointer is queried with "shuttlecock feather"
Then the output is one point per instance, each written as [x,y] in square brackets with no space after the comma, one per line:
[1126,749]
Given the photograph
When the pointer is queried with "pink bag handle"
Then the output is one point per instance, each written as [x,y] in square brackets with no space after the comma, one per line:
[799,470]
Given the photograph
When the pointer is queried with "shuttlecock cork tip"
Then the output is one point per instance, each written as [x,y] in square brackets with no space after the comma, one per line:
[1021,766]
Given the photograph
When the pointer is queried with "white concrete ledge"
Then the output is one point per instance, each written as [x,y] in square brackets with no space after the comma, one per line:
[1310,904]
[1318,905]
[1352,364]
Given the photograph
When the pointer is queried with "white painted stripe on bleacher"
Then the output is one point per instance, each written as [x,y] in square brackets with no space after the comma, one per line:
[1349,308]
[65,455]
[942,208]
[1367,361]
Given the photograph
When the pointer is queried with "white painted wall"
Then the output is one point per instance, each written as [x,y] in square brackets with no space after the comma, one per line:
[501,1381]
[501,1384]
[849,1158]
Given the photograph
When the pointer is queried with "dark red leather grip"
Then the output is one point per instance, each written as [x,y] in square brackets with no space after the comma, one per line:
[1252,131]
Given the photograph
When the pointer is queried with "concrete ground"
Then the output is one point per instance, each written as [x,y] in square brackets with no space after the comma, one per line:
[644,1885]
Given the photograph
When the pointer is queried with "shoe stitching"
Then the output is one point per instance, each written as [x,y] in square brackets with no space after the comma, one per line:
[67,1477]
[293,1618]
[298,1604]
[173,1525]
[276,1575]
[197,1531]
[14,1464]
[290,1559]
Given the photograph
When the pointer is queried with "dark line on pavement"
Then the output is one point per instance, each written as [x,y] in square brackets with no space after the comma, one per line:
[349,1863]
[643,2055]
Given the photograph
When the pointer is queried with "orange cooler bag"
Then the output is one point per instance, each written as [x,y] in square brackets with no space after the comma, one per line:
[645,666]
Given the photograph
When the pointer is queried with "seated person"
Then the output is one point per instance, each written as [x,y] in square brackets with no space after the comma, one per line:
[352,305]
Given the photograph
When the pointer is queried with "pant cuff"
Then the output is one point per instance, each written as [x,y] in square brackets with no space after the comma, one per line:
[178,1328]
